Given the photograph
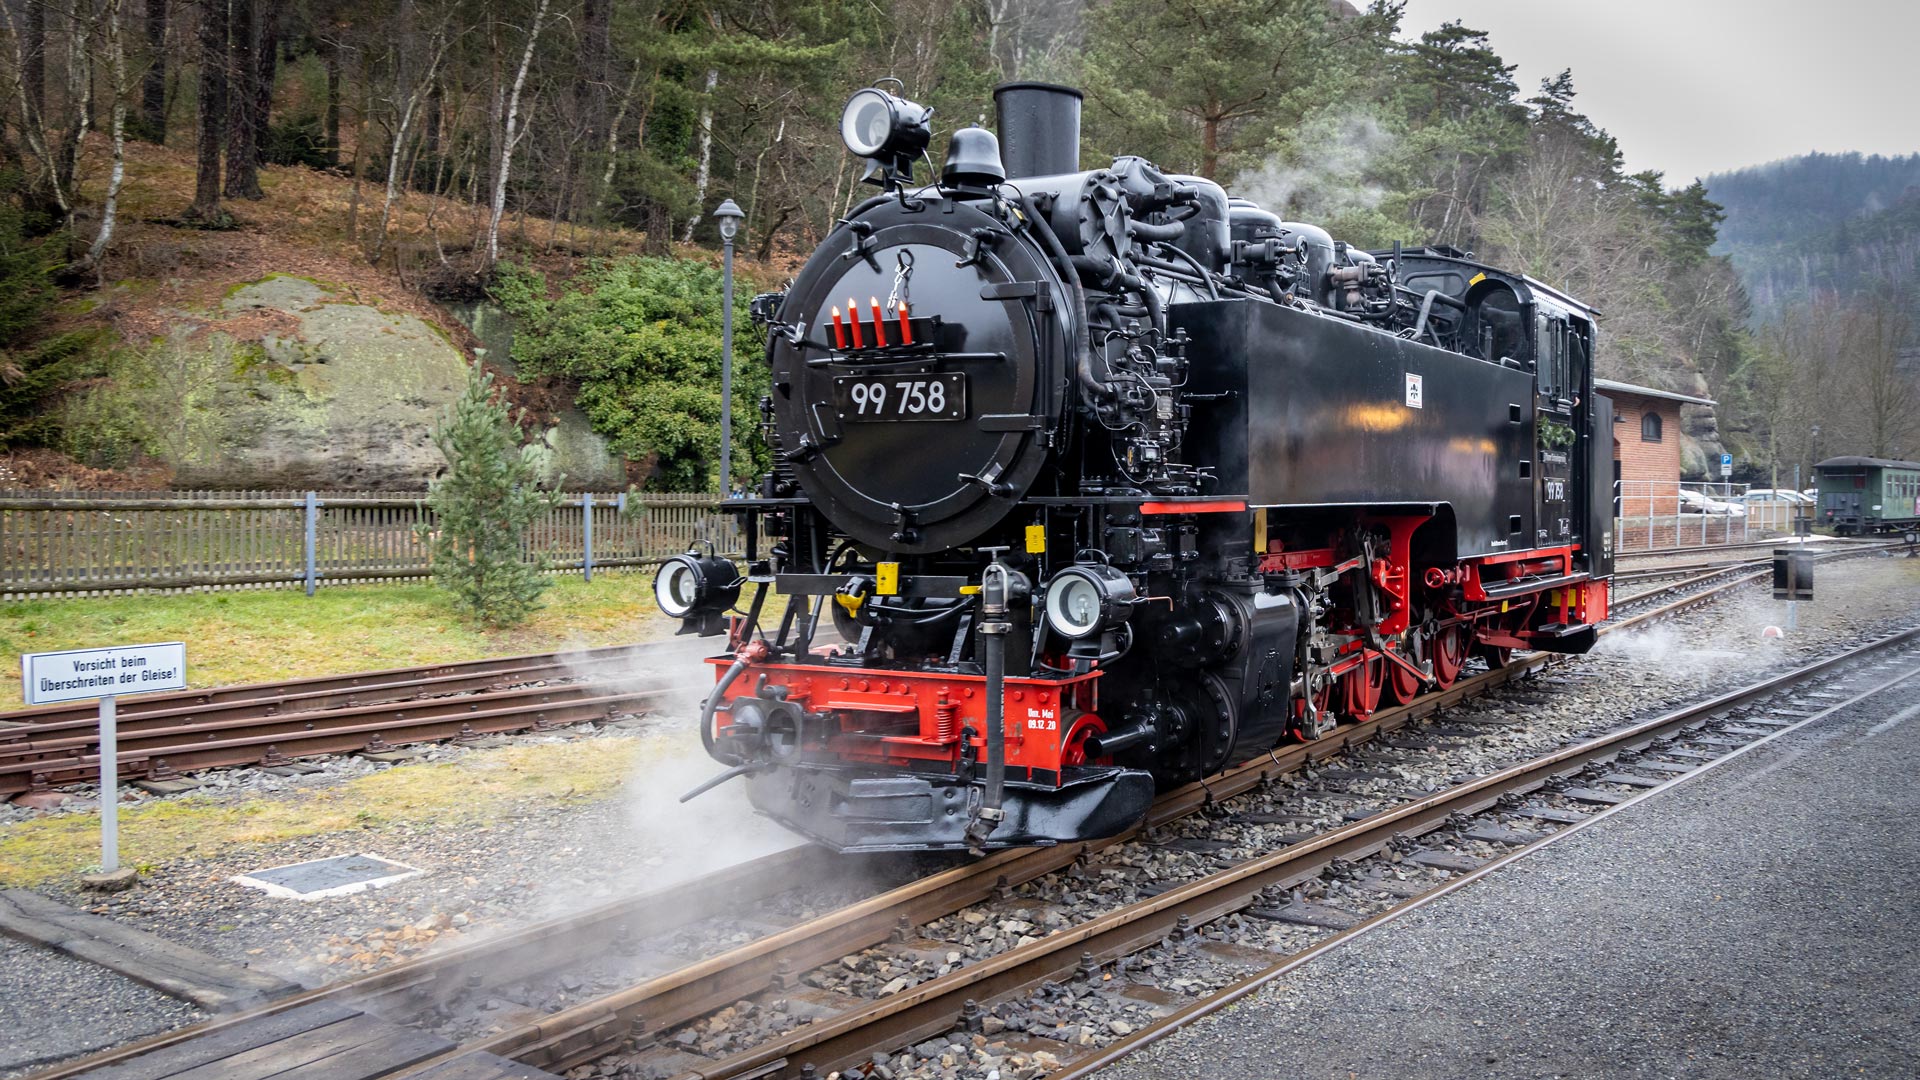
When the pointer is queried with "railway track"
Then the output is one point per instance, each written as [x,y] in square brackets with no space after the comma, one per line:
[276,724]
[668,989]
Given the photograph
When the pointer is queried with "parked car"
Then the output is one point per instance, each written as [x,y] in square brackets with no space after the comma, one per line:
[1772,495]
[1693,502]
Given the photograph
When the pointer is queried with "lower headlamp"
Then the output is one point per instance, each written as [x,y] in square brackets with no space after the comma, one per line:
[1086,598]
[694,584]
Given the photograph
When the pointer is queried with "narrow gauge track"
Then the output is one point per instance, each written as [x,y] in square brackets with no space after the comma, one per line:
[1683,569]
[432,990]
[356,688]
[275,724]
[1710,549]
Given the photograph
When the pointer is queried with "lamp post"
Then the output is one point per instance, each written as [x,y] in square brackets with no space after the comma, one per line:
[728,215]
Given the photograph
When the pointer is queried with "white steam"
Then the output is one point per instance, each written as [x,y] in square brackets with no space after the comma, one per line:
[1325,173]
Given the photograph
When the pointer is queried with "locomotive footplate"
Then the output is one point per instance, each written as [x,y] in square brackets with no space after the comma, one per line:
[857,810]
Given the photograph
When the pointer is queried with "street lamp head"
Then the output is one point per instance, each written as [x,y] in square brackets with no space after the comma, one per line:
[729,215]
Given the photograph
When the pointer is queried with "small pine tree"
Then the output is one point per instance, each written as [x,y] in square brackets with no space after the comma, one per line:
[491,492]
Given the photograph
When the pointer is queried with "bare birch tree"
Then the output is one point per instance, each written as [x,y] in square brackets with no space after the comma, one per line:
[29,80]
[705,173]
[115,39]
[405,101]
[511,133]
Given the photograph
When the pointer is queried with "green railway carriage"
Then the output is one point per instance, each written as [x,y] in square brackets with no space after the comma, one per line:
[1866,494]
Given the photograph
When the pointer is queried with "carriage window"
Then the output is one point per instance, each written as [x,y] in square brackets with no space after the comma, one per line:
[1650,427]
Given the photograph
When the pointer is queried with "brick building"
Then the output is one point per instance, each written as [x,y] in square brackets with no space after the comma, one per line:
[1646,464]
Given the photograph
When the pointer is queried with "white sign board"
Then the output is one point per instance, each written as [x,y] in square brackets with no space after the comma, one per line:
[81,674]
[1726,464]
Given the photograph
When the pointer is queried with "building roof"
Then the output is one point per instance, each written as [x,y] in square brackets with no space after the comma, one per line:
[1648,391]
[1866,462]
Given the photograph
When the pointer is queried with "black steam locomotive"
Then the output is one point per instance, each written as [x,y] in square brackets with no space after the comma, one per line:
[1107,481]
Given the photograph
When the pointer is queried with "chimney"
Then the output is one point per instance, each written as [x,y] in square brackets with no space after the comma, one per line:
[1039,125]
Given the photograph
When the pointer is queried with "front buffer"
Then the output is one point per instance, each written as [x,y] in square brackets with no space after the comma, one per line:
[864,760]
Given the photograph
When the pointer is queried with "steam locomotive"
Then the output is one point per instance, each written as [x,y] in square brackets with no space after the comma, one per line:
[1107,481]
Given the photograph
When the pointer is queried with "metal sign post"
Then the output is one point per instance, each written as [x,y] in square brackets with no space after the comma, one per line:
[106,674]
[109,785]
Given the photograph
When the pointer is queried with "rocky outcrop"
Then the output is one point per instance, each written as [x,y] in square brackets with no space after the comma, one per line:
[346,397]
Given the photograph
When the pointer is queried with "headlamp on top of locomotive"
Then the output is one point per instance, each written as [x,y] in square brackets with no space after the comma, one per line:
[697,589]
[890,132]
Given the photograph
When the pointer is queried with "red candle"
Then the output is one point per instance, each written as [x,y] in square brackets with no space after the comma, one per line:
[839,330]
[879,324]
[906,325]
[853,311]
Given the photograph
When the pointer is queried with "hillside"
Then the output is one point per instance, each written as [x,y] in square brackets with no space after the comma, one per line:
[290,361]
[1840,224]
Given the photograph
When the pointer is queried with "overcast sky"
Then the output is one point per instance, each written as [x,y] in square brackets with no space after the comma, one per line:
[1692,87]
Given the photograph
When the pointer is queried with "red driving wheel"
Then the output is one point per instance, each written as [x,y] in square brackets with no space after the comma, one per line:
[1449,652]
[1402,685]
[1363,686]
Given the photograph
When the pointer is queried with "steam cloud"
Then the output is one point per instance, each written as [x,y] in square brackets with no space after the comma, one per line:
[1325,173]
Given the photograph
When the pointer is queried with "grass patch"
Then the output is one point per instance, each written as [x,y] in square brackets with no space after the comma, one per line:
[484,787]
[269,634]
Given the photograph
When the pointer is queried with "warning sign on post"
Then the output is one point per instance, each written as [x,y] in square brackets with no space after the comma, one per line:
[81,674]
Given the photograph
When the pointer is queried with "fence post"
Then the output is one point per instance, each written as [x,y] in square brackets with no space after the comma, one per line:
[586,533]
[313,524]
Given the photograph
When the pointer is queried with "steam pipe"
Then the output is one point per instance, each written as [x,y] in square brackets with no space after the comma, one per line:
[1156,233]
[716,781]
[1213,291]
[747,655]
[1083,352]
[1426,309]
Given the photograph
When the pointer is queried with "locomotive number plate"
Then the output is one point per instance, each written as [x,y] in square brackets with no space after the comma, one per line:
[861,398]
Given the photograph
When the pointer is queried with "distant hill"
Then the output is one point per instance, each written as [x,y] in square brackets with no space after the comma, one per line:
[1839,223]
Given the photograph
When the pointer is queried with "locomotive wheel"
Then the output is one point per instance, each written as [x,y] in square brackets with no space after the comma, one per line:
[1073,750]
[1402,685]
[1450,647]
[1496,656]
[1363,686]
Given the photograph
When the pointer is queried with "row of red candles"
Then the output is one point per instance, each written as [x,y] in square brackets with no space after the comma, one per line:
[879,326]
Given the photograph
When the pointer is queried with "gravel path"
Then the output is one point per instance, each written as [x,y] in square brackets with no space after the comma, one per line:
[53,1007]
[1756,922]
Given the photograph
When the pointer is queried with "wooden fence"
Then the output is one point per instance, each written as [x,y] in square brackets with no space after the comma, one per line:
[58,542]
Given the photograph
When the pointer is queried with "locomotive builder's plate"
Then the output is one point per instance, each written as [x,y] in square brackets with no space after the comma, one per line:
[923,396]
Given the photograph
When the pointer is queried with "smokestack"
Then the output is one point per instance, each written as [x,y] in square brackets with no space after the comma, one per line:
[1039,126]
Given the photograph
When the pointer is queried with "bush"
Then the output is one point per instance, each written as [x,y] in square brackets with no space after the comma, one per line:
[299,141]
[641,339]
[485,502]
